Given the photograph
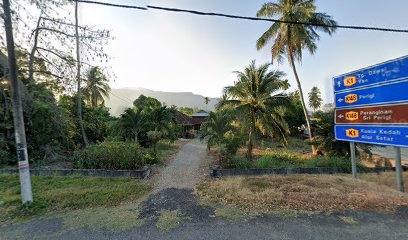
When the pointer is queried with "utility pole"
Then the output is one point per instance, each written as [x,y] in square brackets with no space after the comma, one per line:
[19,129]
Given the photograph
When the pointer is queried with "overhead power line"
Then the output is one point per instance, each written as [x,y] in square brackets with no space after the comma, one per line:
[110,4]
[246,18]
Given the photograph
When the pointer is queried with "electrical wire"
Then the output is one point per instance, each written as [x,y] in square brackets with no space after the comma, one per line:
[110,4]
[124,100]
[245,18]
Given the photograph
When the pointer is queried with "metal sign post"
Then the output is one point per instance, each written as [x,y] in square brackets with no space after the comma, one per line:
[353,160]
[372,107]
[398,169]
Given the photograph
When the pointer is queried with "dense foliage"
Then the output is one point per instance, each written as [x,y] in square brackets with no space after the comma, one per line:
[258,99]
[294,116]
[110,155]
[324,136]
[295,160]
[147,114]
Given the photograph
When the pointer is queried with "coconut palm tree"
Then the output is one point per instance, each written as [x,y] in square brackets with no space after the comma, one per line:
[131,123]
[290,39]
[214,129]
[257,98]
[96,87]
[162,118]
[315,98]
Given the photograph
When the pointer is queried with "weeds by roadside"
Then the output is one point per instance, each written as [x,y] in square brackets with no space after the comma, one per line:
[268,194]
[59,194]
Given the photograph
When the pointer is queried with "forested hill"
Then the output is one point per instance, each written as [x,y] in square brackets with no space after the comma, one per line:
[123,98]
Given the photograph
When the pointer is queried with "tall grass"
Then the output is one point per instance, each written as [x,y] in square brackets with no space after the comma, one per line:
[65,193]
[287,159]
[110,155]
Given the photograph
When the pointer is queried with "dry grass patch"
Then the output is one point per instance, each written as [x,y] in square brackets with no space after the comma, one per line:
[385,178]
[301,193]
[169,220]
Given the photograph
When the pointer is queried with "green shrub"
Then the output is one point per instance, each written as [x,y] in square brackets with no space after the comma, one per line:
[240,162]
[3,157]
[151,158]
[110,155]
[296,160]
[232,145]
[165,145]
[343,164]
[272,162]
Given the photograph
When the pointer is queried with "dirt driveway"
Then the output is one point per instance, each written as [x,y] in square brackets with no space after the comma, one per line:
[186,169]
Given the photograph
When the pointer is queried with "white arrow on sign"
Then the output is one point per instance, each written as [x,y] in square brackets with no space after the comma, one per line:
[340,100]
[341,116]
[339,83]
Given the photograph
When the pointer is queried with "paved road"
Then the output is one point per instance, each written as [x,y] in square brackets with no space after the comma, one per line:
[201,224]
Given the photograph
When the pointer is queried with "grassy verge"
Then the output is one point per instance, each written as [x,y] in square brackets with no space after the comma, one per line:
[270,194]
[290,159]
[166,149]
[59,194]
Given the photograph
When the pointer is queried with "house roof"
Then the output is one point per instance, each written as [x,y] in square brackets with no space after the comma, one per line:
[200,114]
[184,120]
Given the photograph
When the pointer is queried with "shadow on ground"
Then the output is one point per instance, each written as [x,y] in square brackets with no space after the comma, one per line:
[175,214]
[172,199]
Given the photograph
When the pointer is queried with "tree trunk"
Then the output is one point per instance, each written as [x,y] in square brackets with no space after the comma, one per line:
[21,144]
[32,54]
[79,97]
[250,144]
[302,99]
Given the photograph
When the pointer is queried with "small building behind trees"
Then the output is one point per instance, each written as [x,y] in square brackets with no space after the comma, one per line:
[199,118]
[189,125]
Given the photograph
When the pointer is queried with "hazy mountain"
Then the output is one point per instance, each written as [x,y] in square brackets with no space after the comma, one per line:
[120,99]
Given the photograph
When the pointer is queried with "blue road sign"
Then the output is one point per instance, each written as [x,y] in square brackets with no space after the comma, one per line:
[395,92]
[388,71]
[381,135]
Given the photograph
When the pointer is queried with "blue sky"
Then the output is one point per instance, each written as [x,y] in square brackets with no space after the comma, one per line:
[179,52]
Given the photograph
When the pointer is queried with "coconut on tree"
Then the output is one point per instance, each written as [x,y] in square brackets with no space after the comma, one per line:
[289,40]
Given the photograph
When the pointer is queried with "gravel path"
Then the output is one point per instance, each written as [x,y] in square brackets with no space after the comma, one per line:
[186,169]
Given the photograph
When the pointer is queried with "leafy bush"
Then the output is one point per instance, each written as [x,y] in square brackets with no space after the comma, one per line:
[154,137]
[5,153]
[324,136]
[272,162]
[295,160]
[151,158]
[110,155]
[166,145]
[232,145]
[240,162]
[3,157]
